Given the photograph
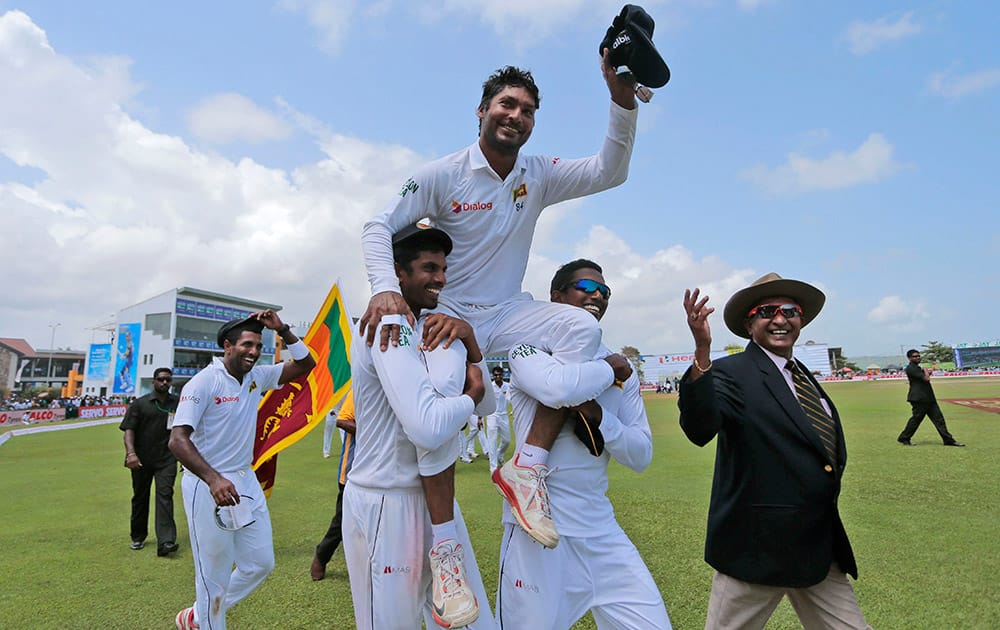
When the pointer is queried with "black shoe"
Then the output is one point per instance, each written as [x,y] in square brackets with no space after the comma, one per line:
[166,549]
[905,442]
[954,444]
[137,545]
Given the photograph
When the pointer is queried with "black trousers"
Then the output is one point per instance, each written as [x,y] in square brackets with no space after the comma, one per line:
[142,479]
[326,547]
[921,409]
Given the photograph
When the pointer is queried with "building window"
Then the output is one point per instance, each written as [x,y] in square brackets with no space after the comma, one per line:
[159,324]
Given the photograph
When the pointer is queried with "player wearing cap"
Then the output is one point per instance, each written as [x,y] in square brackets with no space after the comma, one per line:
[213,435]
[488,198]
[497,427]
[596,567]
[407,549]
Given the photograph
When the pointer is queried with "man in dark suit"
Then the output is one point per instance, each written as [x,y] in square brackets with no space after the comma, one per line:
[923,402]
[773,524]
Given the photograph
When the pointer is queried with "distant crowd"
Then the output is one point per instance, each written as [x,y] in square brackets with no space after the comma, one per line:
[15,401]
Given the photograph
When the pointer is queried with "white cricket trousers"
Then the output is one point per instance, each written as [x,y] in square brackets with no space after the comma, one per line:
[217,585]
[387,536]
[554,588]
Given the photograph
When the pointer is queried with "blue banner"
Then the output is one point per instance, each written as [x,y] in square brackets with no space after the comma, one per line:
[127,358]
[99,362]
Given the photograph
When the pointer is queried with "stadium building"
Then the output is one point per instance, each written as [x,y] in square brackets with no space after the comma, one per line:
[176,329]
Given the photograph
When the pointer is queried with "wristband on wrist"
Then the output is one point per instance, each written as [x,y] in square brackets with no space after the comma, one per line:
[702,369]
[283,329]
[299,350]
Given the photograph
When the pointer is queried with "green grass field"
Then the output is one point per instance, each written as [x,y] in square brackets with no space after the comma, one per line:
[924,521]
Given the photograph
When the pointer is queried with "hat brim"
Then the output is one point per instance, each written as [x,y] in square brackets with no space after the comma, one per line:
[807,296]
[645,61]
[249,323]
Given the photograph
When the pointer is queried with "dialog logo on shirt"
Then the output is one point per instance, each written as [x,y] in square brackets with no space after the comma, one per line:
[226,399]
[465,206]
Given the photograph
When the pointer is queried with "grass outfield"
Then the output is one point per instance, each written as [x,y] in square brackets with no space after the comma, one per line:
[924,521]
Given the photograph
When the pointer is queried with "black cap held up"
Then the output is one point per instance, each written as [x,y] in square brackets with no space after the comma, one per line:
[629,41]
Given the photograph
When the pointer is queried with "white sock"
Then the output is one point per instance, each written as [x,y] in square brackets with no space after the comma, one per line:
[444,531]
[531,455]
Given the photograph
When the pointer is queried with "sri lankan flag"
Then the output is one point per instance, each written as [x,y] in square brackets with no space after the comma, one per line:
[287,414]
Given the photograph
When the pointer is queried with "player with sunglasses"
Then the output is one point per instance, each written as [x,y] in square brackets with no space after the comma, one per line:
[595,567]
[146,428]
[774,526]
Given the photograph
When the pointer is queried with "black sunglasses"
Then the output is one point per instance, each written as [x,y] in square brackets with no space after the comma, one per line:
[768,311]
[163,379]
[589,286]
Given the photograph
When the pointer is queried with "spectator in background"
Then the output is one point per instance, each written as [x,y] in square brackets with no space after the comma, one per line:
[923,403]
[147,433]
[324,550]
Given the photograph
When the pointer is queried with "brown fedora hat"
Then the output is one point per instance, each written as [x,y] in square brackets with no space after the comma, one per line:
[808,297]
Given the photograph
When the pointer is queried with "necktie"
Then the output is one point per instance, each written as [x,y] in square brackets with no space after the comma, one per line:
[809,399]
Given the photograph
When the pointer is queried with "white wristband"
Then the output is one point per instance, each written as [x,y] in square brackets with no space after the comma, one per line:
[299,350]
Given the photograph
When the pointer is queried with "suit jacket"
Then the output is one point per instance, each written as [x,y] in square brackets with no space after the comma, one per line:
[920,390]
[773,516]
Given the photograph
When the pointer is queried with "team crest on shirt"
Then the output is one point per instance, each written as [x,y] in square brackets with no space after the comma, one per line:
[253,385]
[521,191]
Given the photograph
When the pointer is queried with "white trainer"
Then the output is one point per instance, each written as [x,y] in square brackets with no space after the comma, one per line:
[454,604]
[525,489]
[185,620]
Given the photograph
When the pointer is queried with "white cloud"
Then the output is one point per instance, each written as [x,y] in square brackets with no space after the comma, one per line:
[872,161]
[229,117]
[646,306]
[898,314]
[123,212]
[864,37]
[955,86]
[330,18]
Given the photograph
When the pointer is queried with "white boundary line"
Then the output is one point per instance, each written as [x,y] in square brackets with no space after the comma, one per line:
[5,437]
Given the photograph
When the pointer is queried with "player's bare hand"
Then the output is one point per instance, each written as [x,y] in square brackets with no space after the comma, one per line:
[590,410]
[385,303]
[622,87]
[443,330]
[621,366]
[474,386]
[269,318]
[697,311]
[223,491]
[132,462]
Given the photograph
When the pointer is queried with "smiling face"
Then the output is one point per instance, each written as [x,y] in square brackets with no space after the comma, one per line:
[422,279]
[498,376]
[594,302]
[241,356]
[779,333]
[507,120]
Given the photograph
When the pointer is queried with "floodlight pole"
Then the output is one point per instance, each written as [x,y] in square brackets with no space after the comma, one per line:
[52,343]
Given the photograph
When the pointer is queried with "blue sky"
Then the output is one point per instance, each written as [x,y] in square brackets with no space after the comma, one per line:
[239,147]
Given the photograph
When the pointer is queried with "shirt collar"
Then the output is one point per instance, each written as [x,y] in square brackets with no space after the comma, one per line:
[779,361]
[478,161]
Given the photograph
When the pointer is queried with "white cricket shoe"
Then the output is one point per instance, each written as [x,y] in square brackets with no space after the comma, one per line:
[525,489]
[185,620]
[454,604]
